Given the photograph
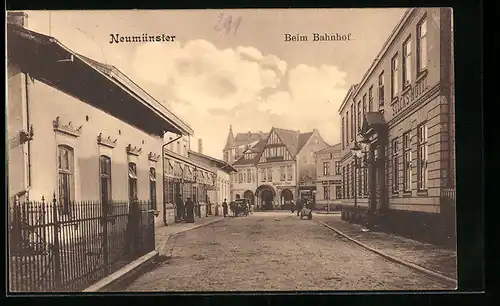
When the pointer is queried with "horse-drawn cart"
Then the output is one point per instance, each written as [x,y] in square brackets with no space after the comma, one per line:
[240,207]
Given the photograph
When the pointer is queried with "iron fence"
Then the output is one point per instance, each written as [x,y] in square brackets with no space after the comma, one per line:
[55,250]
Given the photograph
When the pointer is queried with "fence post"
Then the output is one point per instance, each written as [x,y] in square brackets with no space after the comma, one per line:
[105,247]
[57,255]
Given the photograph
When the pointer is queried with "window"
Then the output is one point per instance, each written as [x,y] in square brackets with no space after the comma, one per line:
[337,168]
[407,161]
[240,177]
[422,45]
[338,192]
[347,187]
[326,168]
[407,63]
[264,174]
[289,171]
[342,131]
[395,166]
[343,181]
[394,77]
[282,173]
[381,92]
[269,174]
[347,128]
[326,190]
[353,124]
[360,181]
[65,158]
[365,181]
[359,115]
[105,179]
[152,188]
[226,156]
[132,182]
[364,104]
[353,182]
[370,99]
[422,157]
[249,175]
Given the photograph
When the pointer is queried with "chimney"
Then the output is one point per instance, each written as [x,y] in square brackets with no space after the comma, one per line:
[249,134]
[18,18]
[200,146]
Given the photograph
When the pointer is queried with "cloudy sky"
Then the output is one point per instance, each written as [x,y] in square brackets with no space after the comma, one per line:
[248,76]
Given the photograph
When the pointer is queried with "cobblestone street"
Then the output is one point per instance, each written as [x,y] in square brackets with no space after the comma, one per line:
[275,251]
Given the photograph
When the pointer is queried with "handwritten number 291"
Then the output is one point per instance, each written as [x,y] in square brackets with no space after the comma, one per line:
[226,24]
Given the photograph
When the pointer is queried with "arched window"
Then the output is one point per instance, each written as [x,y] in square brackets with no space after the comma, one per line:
[105,179]
[66,183]
[152,187]
[132,182]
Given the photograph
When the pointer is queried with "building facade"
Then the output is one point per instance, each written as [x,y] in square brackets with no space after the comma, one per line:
[403,110]
[276,169]
[186,177]
[328,178]
[79,130]
[220,191]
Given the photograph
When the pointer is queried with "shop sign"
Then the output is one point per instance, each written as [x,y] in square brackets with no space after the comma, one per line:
[410,95]
[332,182]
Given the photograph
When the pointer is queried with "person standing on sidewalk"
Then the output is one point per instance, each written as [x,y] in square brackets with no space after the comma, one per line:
[224,208]
[180,208]
[189,211]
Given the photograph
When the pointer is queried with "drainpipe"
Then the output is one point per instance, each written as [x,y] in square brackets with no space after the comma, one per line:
[163,176]
[26,77]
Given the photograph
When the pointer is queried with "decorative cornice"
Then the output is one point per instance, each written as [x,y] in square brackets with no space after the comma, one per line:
[68,129]
[108,142]
[153,157]
[133,150]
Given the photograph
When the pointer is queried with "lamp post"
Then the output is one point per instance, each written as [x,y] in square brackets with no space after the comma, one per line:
[360,154]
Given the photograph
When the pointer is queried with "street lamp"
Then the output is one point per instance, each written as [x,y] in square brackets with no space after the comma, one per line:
[360,152]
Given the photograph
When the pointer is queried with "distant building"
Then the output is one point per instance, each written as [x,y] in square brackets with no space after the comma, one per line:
[275,170]
[185,177]
[221,188]
[404,108]
[236,145]
[328,178]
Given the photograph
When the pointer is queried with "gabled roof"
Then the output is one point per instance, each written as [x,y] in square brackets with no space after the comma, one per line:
[256,149]
[349,94]
[248,138]
[99,85]
[290,139]
[330,149]
[294,141]
[222,165]
[303,138]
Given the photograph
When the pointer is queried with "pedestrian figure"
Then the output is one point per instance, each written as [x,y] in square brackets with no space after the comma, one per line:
[132,239]
[180,208]
[224,208]
[189,211]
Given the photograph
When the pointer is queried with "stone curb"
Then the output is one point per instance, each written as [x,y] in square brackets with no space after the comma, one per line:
[394,259]
[123,273]
[168,253]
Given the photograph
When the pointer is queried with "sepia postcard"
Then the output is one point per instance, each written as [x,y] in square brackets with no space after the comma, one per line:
[252,150]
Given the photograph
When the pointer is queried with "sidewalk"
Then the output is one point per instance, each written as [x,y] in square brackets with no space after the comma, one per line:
[163,233]
[428,256]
